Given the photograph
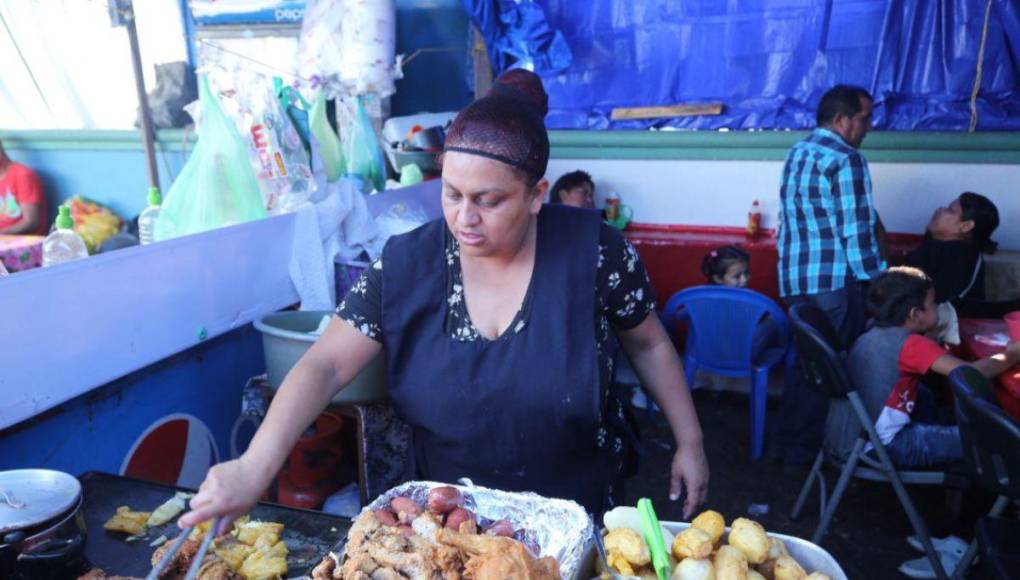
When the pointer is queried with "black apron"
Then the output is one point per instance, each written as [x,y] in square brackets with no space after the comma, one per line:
[521,412]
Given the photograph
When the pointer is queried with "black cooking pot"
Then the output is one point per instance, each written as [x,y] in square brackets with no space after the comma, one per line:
[42,528]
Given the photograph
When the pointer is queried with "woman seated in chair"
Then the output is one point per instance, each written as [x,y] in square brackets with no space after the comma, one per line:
[887,364]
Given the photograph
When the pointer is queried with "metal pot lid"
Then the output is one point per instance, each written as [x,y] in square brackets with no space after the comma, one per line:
[29,497]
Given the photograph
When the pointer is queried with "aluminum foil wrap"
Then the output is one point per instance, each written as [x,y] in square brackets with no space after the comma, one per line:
[556,527]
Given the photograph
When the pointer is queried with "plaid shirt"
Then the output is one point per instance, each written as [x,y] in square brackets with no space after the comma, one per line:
[827,227]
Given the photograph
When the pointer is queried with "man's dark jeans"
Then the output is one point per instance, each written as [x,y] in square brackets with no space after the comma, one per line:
[802,411]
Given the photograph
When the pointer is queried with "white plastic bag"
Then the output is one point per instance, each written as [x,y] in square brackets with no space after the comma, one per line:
[347,46]
[277,154]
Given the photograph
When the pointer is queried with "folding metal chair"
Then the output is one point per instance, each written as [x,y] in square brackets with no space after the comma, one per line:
[991,446]
[823,370]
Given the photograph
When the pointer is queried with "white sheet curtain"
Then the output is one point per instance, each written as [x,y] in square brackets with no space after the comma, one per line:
[81,64]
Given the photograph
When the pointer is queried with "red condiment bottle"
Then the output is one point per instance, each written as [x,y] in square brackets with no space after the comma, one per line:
[754,220]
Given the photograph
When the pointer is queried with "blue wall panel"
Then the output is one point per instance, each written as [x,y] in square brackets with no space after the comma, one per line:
[117,178]
[97,431]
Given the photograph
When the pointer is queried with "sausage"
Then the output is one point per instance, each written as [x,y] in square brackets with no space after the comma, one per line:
[445,499]
[405,508]
[500,528]
[386,517]
[457,517]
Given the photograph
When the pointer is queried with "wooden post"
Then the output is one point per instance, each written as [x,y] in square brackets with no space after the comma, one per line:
[481,64]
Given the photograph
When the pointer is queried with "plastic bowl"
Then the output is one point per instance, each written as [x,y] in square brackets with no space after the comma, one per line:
[1013,325]
[285,338]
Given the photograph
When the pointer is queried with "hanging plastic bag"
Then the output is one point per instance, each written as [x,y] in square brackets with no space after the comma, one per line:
[363,151]
[281,162]
[297,108]
[348,46]
[217,186]
[329,144]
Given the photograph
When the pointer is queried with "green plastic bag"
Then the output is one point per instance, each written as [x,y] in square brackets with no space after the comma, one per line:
[329,144]
[217,186]
[364,153]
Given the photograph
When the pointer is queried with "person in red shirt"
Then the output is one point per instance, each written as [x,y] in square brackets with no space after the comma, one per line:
[22,201]
[887,365]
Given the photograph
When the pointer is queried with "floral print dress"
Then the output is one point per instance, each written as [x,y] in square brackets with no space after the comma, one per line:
[623,299]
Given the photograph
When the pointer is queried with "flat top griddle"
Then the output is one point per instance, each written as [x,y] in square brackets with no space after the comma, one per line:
[309,534]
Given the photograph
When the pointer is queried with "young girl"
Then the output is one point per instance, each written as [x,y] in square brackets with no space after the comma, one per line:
[731,266]
[727,266]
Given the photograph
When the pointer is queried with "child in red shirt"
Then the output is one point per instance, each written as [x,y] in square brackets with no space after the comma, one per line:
[887,364]
[22,202]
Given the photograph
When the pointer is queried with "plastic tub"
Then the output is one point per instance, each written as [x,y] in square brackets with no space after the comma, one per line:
[285,338]
[1013,325]
[812,557]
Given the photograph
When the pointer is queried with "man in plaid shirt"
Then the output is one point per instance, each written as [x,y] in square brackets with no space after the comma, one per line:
[828,244]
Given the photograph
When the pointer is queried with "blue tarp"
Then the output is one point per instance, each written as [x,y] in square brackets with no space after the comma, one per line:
[767,61]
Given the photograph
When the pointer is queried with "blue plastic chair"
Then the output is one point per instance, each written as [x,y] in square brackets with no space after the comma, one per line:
[723,321]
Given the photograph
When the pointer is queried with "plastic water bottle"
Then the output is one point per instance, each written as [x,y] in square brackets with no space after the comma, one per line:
[147,221]
[63,245]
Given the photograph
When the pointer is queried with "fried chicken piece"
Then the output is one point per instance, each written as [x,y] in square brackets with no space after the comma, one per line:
[182,559]
[328,569]
[215,568]
[450,562]
[496,558]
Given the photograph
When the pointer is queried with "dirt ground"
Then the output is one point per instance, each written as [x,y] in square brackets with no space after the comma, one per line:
[868,534]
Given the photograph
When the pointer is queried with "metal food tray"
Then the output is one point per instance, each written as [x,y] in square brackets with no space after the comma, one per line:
[811,557]
[557,527]
[307,533]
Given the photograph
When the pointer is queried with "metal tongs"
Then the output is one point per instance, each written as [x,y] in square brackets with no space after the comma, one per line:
[176,547]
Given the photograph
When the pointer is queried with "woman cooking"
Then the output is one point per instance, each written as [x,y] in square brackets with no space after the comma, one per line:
[496,323]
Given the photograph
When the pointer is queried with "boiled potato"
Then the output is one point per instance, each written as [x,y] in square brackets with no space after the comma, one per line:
[406,509]
[750,538]
[232,551]
[619,563]
[459,516]
[712,523]
[250,532]
[777,548]
[753,575]
[443,500]
[767,569]
[818,576]
[788,569]
[730,564]
[629,517]
[692,543]
[629,544]
[261,566]
[270,548]
[694,569]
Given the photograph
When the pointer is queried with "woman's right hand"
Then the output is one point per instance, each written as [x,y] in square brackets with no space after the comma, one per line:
[229,491]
